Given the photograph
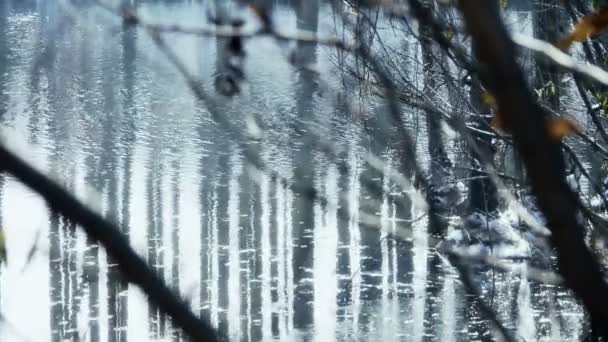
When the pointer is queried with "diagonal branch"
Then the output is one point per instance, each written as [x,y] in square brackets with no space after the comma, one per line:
[132,266]
[527,121]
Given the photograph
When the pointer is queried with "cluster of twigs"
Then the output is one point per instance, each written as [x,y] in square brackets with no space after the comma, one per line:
[495,64]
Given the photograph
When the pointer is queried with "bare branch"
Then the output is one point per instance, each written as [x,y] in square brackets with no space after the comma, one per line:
[527,121]
[132,266]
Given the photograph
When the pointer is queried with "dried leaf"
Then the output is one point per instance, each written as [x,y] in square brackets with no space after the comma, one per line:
[559,128]
[257,9]
[498,122]
[2,247]
[589,25]
[489,100]
[262,13]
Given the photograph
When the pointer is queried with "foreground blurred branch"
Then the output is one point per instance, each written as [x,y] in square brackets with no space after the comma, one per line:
[527,122]
[132,266]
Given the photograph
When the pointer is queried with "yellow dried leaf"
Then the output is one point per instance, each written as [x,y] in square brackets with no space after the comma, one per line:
[589,25]
[497,121]
[489,100]
[559,128]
